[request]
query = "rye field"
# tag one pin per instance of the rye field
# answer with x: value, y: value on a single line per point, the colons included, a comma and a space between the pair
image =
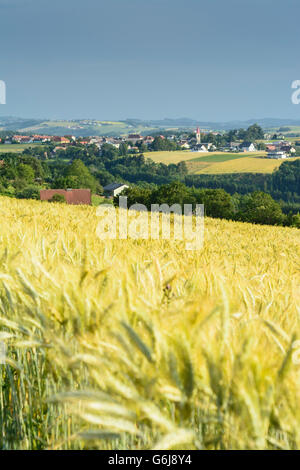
x: 239, y: 165
x: 219, y: 162
x: 140, y: 344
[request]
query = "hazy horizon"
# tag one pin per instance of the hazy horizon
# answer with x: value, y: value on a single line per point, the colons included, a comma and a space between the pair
x: 166, y: 118
x: 214, y: 61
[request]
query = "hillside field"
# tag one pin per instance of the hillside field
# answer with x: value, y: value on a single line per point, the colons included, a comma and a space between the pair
x: 185, y: 155
x: 138, y: 344
x: 18, y: 148
x: 218, y: 162
x: 241, y: 165
x: 86, y: 128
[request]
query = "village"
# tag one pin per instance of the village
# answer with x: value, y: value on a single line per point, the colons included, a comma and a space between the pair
x: 193, y: 141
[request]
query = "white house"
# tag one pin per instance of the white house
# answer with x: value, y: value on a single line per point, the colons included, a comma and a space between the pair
x: 277, y: 155
x: 184, y: 145
x: 201, y: 148
x: 113, y: 189
x: 234, y: 146
x: 248, y: 147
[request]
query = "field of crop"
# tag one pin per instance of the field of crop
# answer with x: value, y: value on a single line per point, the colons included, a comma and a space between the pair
x: 215, y: 157
x: 242, y: 165
x: 136, y: 344
x: 185, y: 156
x: 172, y: 157
x: 6, y: 148
x: 219, y: 163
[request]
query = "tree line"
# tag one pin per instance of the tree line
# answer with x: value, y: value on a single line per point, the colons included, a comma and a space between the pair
x: 23, y: 175
x: 257, y: 207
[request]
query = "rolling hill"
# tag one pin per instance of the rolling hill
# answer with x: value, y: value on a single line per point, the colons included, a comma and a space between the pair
x: 86, y: 127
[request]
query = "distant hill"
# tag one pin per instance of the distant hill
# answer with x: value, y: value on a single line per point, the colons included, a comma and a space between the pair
x: 85, y: 127
x: 14, y: 123
x: 220, y: 125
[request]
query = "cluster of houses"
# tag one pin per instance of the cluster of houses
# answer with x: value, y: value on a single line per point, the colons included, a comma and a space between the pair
x: 279, y: 150
x: 37, y: 139
x: 132, y: 140
x: 192, y: 142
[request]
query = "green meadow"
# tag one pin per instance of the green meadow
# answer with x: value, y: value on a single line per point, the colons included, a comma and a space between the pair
x: 6, y: 148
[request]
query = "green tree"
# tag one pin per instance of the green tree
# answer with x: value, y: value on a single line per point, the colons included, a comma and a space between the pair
x: 58, y: 198
x: 260, y: 208
x: 123, y: 149
x: 217, y: 202
x: 26, y: 172
x: 30, y: 192
x: 296, y: 221
x: 173, y: 193
x: 79, y: 176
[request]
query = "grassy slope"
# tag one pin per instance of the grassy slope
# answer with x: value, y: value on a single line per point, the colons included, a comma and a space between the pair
x: 172, y: 339
x: 6, y: 148
x: 100, y: 128
x: 98, y: 200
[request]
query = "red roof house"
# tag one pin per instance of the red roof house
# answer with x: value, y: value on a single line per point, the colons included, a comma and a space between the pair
x: 72, y: 196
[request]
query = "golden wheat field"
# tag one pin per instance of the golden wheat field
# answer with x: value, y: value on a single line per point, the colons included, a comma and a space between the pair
x: 169, y: 157
x: 207, y: 163
x: 138, y: 344
x: 241, y: 165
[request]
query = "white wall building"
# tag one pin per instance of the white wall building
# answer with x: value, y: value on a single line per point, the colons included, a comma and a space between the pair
x: 277, y: 155
x: 113, y: 189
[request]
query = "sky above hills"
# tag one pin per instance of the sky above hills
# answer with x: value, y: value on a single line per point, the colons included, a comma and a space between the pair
x: 115, y: 59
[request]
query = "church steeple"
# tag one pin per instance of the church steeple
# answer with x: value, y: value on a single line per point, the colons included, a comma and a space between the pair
x: 198, y: 136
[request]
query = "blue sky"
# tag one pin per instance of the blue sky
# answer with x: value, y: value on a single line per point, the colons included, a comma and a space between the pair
x: 114, y: 59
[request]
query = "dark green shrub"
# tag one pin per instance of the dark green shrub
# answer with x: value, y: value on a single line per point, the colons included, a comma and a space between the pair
x: 58, y: 198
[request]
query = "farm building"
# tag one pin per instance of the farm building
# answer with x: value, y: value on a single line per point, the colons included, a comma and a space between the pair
x: 134, y: 138
x: 247, y: 147
x: 287, y: 149
x: 113, y: 189
x: 72, y: 196
x: 200, y: 148
x: 277, y: 155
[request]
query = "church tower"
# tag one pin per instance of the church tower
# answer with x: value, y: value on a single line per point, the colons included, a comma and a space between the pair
x: 198, y: 136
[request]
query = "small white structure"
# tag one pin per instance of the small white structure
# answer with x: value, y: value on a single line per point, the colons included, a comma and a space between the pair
x: 248, y: 147
x: 200, y: 148
x: 234, y: 146
x: 113, y: 189
x: 277, y: 155
x: 185, y: 145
